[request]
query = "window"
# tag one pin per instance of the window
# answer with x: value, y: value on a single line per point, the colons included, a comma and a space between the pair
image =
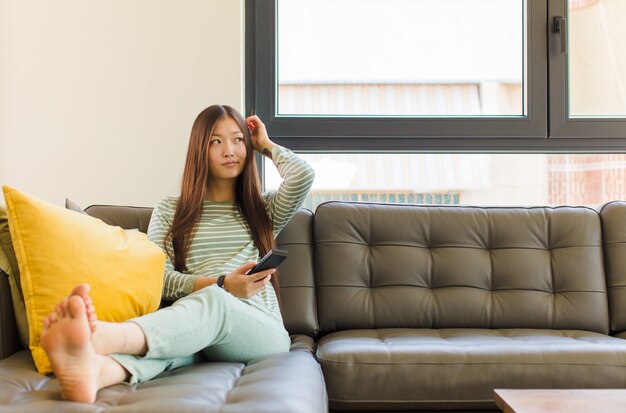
x: 597, y: 59
x: 400, y: 58
x: 465, y: 179
x: 397, y: 72
x: 439, y: 76
x: 490, y: 102
x: 588, y: 70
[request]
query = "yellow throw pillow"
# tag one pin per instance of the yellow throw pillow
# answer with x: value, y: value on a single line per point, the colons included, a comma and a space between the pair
x: 57, y: 248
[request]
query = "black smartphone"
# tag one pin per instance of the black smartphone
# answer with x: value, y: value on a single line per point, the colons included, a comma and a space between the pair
x: 271, y: 260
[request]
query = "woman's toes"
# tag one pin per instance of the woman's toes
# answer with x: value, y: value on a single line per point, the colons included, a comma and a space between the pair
x: 81, y: 290
x: 61, y: 308
x: 58, y: 310
x: 92, y: 321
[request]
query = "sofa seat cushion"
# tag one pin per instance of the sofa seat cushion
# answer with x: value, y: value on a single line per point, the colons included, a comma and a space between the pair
x: 459, y: 368
x: 290, y: 382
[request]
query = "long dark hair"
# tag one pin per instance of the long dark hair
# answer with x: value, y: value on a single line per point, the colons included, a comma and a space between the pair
x: 196, y: 177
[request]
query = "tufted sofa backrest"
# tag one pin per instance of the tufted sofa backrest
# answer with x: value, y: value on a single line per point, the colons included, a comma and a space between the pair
x: 386, y: 266
x: 296, y: 273
x: 127, y: 217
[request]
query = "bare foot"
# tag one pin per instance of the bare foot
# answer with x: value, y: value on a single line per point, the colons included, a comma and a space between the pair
x: 105, y: 338
x: 100, y: 343
x: 67, y: 341
x: 82, y: 290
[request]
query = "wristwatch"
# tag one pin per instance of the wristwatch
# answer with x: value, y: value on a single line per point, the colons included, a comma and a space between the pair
x: 220, y: 281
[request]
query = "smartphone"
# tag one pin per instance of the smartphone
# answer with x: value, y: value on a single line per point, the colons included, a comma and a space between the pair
x: 271, y: 260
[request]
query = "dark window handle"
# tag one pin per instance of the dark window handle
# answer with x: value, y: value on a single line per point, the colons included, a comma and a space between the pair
x: 560, y: 27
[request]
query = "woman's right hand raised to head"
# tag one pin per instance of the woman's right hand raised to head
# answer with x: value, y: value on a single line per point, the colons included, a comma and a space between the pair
x: 258, y: 135
x: 243, y: 285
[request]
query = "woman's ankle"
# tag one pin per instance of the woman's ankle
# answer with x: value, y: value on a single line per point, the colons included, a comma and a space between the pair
x: 110, y: 372
x: 108, y: 338
x: 119, y: 338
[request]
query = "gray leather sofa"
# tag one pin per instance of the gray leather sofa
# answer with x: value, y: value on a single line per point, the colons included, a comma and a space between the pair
x: 290, y: 382
x: 403, y: 308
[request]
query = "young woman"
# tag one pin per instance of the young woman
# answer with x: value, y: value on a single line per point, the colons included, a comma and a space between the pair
x: 212, y: 235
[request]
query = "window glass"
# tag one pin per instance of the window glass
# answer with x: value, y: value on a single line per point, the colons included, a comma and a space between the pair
x: 597, y: 58
x: 465, y: 179
x: 401, y: 57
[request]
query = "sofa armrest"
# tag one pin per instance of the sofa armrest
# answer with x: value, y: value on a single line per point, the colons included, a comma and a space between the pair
x: 613, y: 218
x: 9, y: 340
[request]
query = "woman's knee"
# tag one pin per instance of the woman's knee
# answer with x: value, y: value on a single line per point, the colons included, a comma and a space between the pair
x: 211, y: 296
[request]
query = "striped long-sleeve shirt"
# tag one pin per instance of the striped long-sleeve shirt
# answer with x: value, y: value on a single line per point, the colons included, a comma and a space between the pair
x: 222, y: 243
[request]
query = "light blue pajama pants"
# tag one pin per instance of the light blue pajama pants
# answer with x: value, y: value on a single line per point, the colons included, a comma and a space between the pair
x: 210, y: 321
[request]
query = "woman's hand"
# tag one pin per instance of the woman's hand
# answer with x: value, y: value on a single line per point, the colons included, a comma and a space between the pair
x: 258, y: 134
x: 241, y: 285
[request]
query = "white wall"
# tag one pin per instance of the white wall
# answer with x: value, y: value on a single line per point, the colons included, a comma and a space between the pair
x: 97, y: 98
